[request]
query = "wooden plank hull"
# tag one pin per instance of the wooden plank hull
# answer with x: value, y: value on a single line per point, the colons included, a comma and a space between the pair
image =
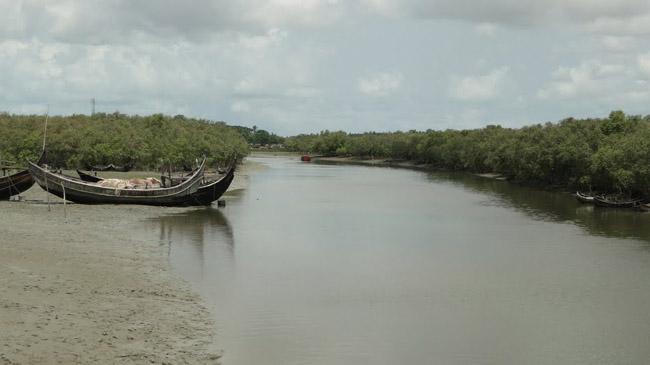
x: 15, y: 184
x: 583, y: 198
x: 206, y: 194
x: 82, y: 192
x: 601, y: 202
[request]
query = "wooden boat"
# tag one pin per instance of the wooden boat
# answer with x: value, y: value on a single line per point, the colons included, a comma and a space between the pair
x: 584, y: 198
x: 15, y: 184
x: 643, y: 207
x: 206, y: 194
x: 19, y: 182
x: 111, y: 167
x: 211, y: 191
x: 608, y: 203
x: 305, y: 158
x: 79, y: 191
x: 88, y: 177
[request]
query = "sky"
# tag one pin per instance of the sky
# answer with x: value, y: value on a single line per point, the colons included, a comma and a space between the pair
x: 292, y: 66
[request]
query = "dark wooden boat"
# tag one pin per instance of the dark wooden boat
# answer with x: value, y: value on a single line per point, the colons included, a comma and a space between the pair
x: 608, y: 203
x: 88, y: 177
x: 206, y: 194
x: 305, y: 158
x: 79, y: 191
x: 111, y: 167
x: 584, y: 198
x: 643, y: 207
x: 15, y: 184
x: 212, y: 191
x: 19, y: 182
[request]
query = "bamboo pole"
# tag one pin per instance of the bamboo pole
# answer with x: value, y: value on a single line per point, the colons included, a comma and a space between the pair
x: 47, y: 116
x: 65, y: 211
x: 47, y: 189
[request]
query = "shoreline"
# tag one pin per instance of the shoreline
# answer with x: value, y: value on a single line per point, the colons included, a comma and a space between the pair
x: 83, y: 284
x: 395, y: 164
x: 70, y: 296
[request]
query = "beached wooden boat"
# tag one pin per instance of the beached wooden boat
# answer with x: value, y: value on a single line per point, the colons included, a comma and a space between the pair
x: 19, y: 182
x: 15, y: 184
x: 609, y: 203
x: 79, y: 191
x: 211, y: 191
x: 206, y: 194
x: 584, y: 198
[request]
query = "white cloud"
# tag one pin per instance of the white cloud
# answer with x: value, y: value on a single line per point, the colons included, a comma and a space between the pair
x: 240, y: 107
x: 588, y: 78
x: 643, y: 61
x: 481, y: 87
x: 597, y: 15
x: 486, y: 29
x: 635, y: 24
x: 382, y: 84
x: 100, y: 22
x: 618, y: 43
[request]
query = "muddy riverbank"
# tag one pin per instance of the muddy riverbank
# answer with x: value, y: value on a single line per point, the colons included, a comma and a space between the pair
x: 73, y: 294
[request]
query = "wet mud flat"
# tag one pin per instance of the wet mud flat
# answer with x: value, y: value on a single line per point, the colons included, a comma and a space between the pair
x: 81, y: 289
x: 78, y: 284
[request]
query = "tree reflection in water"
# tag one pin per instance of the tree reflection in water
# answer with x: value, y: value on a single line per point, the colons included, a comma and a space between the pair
x: 553, y: 206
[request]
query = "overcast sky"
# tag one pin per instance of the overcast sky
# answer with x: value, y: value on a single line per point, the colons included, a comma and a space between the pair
x: 293, y: 66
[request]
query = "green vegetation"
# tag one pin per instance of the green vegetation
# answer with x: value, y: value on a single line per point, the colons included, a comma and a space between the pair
x: 150, y: 141
x: 610, y: 155
x: 256, y: 136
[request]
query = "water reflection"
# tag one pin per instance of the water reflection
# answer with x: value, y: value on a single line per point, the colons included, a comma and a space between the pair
x: 353, y: 265
x: 195, y: 239
x: 553, y: 206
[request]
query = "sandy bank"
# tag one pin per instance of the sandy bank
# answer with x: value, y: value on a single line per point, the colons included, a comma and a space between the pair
x: 89, y: 289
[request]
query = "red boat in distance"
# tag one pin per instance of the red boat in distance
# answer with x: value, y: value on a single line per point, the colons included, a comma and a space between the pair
x: 305, y: 158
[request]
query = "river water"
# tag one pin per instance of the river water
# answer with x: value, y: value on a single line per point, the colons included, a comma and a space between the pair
x: 333, y: 264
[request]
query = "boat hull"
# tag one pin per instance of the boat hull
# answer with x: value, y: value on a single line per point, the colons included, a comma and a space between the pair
x: 600, y: 202
x: 15, y: 184
x: 584, y: 198
x: 206, y: 194
x: 78, y: 191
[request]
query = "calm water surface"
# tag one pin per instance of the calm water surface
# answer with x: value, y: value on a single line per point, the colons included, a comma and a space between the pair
x: 329, y: 264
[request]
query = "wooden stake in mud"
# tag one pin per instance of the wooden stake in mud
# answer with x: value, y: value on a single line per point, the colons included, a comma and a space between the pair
x: 47, y: 189
x: 65, y: 211
x: 47, y: 116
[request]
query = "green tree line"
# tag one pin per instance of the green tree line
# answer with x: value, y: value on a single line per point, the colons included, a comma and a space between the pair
x: 609, y: 155
x: 257, y: 136
x: 150, y: 142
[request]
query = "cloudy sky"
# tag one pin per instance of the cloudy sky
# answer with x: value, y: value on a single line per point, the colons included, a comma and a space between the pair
x: 294, y: 66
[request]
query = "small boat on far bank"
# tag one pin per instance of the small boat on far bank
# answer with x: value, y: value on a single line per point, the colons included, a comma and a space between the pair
x: 305, y: 158
x: 609, y: 203
x: 584, y: 198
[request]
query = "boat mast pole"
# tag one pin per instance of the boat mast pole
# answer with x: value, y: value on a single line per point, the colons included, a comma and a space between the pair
x: 47, y: 115
x: 47, y: 188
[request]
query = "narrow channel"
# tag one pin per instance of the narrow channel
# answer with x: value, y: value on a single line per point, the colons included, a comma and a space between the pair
x: 332, y: 264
